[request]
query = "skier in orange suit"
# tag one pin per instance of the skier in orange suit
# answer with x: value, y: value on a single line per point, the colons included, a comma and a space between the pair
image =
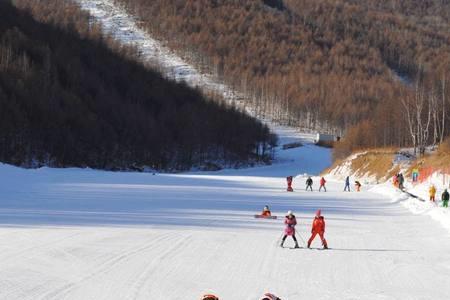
x: 318, y: 228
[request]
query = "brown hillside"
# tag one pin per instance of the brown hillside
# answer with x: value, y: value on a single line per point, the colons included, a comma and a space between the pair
x: 329, y: 64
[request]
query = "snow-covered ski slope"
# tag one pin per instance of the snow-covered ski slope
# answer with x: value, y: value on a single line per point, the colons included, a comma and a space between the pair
x: 86, y: 234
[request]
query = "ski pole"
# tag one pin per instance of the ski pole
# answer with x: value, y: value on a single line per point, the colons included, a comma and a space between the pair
x: 304, y: 243
x: 279, y: 239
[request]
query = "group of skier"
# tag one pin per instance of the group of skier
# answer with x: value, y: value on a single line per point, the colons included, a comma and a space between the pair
x: 318, y: 224
x: 322, y: 182
x: 309, y: 184
x: 399, y: 181
x: 444, y: 197
x: 318, y: 228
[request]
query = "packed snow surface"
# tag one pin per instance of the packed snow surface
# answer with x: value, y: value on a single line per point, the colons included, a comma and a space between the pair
x: 87, y: 234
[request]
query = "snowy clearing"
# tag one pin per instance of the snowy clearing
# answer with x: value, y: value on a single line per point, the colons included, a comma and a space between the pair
x: 86, y: 234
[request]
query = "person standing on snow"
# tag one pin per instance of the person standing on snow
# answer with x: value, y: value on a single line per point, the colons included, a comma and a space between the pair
x: 347, y: 184
x: 358, y: 186
x: 290, y: 222
x: 309, y: 183
x: 318, y: 228
x: 445, y: 198
x: 432, y: 192
x: 322, y: 184
x: 401, y: 181
x: 395, y: 180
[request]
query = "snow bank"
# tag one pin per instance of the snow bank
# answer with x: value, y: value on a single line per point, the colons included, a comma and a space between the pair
x: 416, y: 198
x: 341, y: 171
x: 386, y: 189
x: 372, y: 167
x: 435, y: 210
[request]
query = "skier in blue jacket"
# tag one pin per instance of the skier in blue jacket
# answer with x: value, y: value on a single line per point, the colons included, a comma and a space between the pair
x: 347, y: 184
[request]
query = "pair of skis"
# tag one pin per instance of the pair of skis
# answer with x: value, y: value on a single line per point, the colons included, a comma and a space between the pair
x: 305, y: 248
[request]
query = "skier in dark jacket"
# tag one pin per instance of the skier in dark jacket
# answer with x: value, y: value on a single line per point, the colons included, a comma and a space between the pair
x: 309, y: 183
x: 347, y: 184
x: 401, y: 181
x: 445, y: 197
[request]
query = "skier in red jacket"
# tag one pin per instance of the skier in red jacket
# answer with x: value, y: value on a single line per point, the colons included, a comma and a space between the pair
x: 322, y: 184
x: 318, y: 227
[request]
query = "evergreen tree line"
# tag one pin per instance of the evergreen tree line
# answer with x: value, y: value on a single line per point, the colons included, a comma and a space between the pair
x: 344, y: 66
x: 67, y: 99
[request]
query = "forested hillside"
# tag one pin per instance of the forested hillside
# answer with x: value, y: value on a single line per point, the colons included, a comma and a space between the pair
x: 351, y: 67
x: 67, y: 99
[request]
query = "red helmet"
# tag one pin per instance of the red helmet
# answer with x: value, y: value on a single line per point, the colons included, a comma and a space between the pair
x: 318, y: 213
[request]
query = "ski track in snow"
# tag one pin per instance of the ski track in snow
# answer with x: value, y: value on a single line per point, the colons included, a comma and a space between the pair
x: 123, y: 27
x: 85, y: 234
